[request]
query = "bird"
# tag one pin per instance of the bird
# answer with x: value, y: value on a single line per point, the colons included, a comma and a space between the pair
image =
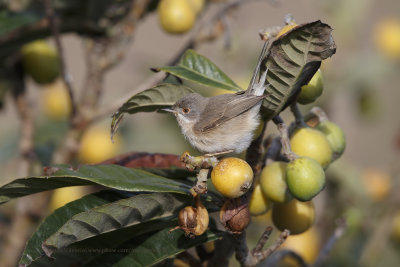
x: 220, y: 124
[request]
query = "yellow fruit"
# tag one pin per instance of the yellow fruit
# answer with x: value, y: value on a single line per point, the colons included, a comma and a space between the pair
x: 312, y: 143
x: 176, y: 16
x: 377, y: 183
x: 285, y: 29
x: 311, y: 91
x: 65, y: 195
x: 259, y: 204
x: 273, y: 182
x: 335, y: 136
x: 305, y: 178
x: 232, y: 177
x: 307, y: 245
x: 396, y: 227
x: 197, y: 5
x: 56, y: 101
x: 387, y: 37
x: 296, y: 216
x: 40, y: 61
x: 96, y: 146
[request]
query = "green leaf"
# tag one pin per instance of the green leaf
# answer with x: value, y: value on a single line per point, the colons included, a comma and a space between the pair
x: 153, y: 99
x: 201, y: 70
x: 114, y: 216
x: 53, y: 222
x: 292, y: 60
x: 152, y: 248
x: 112, y: 176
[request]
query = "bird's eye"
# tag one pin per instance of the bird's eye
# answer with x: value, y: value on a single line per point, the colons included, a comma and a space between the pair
x: 186, y: 110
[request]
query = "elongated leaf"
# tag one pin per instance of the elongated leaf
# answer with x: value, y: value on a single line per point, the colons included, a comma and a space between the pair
x: 152, y: 248
x: 153, y: 99
x: 112, y: 176
x: 292, y: 60
x: 53, y: 222
x: 201, y: 70
x: 114, y: 216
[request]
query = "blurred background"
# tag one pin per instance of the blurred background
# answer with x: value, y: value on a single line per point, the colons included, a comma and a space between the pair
x: 361, y: 94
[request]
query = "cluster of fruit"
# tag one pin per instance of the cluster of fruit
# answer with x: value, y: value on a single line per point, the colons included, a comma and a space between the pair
x: 287, y: 187
x: 178, y: 16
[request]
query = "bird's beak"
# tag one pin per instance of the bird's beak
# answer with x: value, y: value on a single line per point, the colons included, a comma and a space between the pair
x: 168, y: 110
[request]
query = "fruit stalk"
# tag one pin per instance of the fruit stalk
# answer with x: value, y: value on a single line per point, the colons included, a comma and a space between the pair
x: 54, y: 25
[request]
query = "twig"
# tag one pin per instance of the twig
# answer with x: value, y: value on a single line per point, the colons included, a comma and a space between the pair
x: 54, y: 25
x: 282, y: 238
x: 283, y: 130
x: 261, y: 242
x: 294, y: 107
x: 279, y: 255
x: 339, y: 231
x: 249, y: 259
x: 225, y: 250
x: 273, y: 151
x: 28, y: 209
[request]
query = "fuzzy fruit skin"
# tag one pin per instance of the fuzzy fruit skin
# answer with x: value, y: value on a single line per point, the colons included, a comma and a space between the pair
x: 307, y: 245
x: 312, y: 143
x: 96, y: 146
x: 232, y: 177
x: 40, y: 61
x: 396, y: 227
x: 259, y: 204
x: 311, y: 91
x: 176, y: 16
x: 197, y: 5
x: 305, y: 178
x: 387, y: 37
x: 63, y: 196
x: 56, y: 101
x: 273, y: 182
x: 285, y: 29
x: 335, y: 136
x: 296, y: 216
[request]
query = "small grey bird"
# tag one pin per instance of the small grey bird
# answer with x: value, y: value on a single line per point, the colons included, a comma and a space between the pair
x: 223, y: 123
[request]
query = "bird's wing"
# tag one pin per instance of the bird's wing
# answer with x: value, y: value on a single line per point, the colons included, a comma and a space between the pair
x: 219, y: 110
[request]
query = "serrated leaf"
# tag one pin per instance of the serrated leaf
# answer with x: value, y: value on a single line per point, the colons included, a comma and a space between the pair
x: 112, y: 176
x: 153, y: 99
x: 114, y: 216
x: 201, y: 70
x: 152, y: 248
x: 292, y: 60
x: 59, y: 217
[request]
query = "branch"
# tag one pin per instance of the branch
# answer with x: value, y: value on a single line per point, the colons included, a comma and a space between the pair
x: 294, y: 107
x: 261, y: 242
x: 284, y: 133
x: 339, y: 231
x: 54, y: 25
x: 279, y: 255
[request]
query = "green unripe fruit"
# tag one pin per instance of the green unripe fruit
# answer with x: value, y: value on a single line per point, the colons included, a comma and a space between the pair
x: 296, y: 216
x: 335, y: 137
x: 310, y: 92
x: 40, y: 61
x: 305, y: 178
x: 273, y: 182
x: 308, y: 142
